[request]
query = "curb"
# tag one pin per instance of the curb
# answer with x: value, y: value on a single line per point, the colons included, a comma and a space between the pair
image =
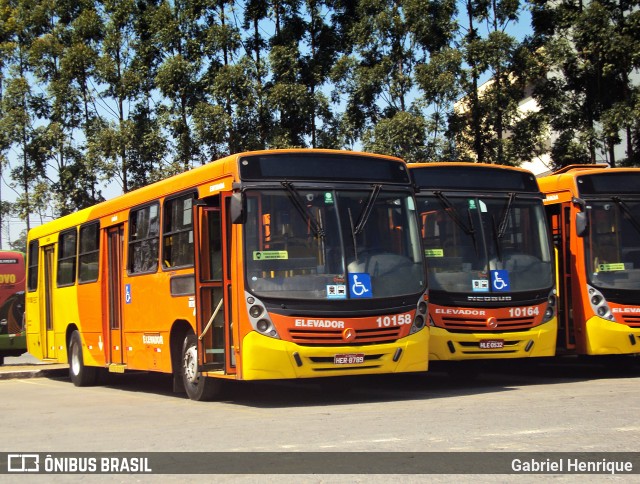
x: 7, y: 374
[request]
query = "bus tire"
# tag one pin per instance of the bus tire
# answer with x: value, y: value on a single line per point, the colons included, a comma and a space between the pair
x: 81, y: 375
x: 198, y: 387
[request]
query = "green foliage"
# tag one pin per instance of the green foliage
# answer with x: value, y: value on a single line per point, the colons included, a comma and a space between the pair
x: 130, y: 91
x: 588, y: 94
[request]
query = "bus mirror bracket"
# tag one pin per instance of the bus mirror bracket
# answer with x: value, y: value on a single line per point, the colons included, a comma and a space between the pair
x: 236, y: 208
x: 582, y: 222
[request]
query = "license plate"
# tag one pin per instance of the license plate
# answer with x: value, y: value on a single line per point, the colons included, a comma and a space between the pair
x: 491, y: 344
x: 350, y: 359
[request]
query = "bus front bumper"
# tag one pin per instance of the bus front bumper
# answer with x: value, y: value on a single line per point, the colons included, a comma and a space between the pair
x: 268, y: 358
x: 609, y: 338
x: 536, y: 342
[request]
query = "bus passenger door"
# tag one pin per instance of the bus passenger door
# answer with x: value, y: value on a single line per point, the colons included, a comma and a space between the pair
x: 213, y: 288
x: 49, y: 337
x: 115, y: 240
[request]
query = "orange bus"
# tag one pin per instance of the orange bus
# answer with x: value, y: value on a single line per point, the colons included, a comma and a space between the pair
x: 489, y: 261
x: 263, y: 265
x: 594, y: 215
x: 12, y: 276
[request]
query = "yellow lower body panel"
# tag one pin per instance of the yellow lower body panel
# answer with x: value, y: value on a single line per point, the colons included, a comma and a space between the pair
x: 265, y: 358
x: 609, y: 338
x: 536, y: 342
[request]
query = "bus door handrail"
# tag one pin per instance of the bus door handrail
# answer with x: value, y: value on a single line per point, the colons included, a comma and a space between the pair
x: 213, y: 316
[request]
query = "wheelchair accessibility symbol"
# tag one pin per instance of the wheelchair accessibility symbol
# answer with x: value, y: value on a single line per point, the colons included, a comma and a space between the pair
x: 500, y: 280
x: 360, y: 285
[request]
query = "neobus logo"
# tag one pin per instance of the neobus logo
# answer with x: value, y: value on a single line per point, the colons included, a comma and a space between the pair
x: 7, y: 279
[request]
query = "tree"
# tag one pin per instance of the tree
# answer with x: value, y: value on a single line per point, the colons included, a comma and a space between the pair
x: 587, y: 93
x: 115, y: 71
x: 19, y: 104
x: 489, y: 116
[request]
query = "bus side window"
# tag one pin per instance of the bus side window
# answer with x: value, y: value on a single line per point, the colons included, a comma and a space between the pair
x: 177, y: 234
x: 143, y: 240
x: 67, y: 252
x: 89, y: 253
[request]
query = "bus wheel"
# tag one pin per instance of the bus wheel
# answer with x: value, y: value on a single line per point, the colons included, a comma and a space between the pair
x: 81, y: 375
x: 198, y: 387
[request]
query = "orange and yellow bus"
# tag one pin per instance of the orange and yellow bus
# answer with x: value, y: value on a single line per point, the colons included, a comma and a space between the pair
x: 594, y: 215
x: 263, y: 265
x: 489, y: 261
x: 12, y: 276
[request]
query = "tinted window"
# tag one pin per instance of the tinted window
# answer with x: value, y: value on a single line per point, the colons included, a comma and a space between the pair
x: 67, y: 251
x: 177, y: 235
x: 143, y: 239
x: 89, y: 253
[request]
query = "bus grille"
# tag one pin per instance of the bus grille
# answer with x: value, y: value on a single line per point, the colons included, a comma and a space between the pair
x: 480, y: 324
x: 324, y: 337
x: 633, y: 321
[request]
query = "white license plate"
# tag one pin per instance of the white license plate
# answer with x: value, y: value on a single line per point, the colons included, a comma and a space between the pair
x: 349, y: 359
x: 491, y: 344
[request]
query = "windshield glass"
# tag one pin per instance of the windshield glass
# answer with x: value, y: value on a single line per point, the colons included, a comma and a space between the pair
x: 327, y: 244
x: 485, y: 245
x: 612, y: 246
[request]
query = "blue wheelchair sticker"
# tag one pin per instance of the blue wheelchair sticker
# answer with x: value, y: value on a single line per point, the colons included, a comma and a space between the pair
x: 360, y: 285
x: 500, y: 281
x: 127, y: 293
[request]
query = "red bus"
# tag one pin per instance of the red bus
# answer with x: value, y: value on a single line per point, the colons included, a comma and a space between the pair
x: 12, y: 278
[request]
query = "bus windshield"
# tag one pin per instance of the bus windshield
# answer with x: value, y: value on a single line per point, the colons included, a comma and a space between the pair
x: 612, y: 246
x: 309, y: 243
x: 476, y: 244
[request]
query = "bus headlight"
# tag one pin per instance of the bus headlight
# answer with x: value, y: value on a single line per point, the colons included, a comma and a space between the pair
x: 255, y: 311
x: 421, y: 314
x: 550, y: 311
x: 259, y: 317
x: 599, y: 304
x: 263, y: 325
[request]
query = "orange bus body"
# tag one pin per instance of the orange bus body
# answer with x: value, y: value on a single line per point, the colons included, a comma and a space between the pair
x: 594, y: 215
x: 12, y: 278
x: 489, y: 259
x: 158, y: 279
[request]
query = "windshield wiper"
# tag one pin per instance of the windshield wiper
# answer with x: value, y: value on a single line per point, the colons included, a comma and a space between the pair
x: 505, y: 216
x: 627, y: 211
x: 298, y: 203
x: 496, y: 238
x: 452, y: 211
x: 364, y: 216
x: 366, y: 211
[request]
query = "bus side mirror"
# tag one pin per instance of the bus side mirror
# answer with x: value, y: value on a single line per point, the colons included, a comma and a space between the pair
x: 582, y: 224
x: 236, y: 208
